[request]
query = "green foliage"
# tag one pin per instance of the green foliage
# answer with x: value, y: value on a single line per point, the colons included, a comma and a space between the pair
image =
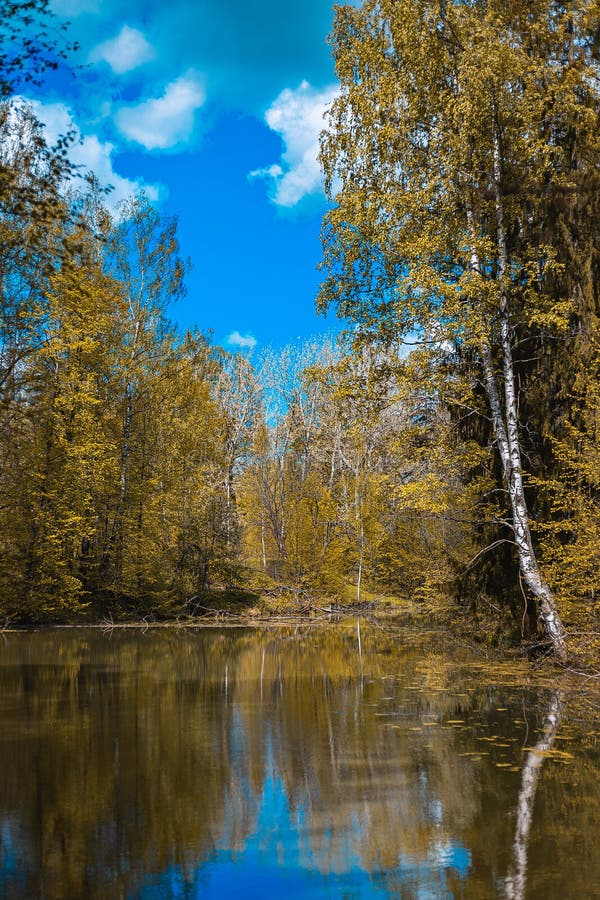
x: 461, y: 158
x: 115, y: 477
x: 571, y: 537
x: 142, y: 469
x: 359, y: 489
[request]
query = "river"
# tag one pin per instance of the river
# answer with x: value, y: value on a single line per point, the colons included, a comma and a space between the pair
x: 310, y: 762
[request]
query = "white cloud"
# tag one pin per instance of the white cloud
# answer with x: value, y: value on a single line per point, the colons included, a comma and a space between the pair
x: 128, y: 50
x: 246, y: 341
x: 298, y: 116
x: 89, y: 152
x: 164, y: 121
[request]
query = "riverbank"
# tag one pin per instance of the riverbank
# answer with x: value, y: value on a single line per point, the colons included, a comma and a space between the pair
x: 486, y: 636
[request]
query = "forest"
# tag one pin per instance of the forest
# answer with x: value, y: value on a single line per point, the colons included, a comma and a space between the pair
x: 441, y: 456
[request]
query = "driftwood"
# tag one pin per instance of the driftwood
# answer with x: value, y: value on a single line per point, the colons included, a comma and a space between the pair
x: 306, y: 606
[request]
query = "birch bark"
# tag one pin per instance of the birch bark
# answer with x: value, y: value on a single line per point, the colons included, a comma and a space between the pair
x: 506, y: 432
x: 512, y: 456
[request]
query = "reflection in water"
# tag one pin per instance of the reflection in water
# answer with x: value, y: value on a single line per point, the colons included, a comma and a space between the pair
x: 173, y: 764
x: 515, y: 883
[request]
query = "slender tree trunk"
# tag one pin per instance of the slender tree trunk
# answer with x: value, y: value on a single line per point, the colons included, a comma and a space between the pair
x: 361, y: 531
x: 506, y: 431
x: 113, y: 551
x: 360, y: 567
x: 112, y: 554
x: 334, y: 450
x: 513, y: 468
x: 262, y: 540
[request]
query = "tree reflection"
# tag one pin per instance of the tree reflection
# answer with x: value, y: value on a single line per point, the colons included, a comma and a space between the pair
x: 516, y: 881
x: 129, y: 757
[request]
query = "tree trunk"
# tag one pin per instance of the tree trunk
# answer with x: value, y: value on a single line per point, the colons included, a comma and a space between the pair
x: 262, y: 540
x: 506, y: 433
x: 512, y: 463
x: 361, y: 533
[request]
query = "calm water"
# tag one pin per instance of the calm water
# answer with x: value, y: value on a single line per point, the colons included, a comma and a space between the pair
x: 254, y: 764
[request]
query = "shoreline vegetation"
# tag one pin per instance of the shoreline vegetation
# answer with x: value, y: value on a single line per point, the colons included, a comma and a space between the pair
x: 235, y: 609
x: 444, y: 452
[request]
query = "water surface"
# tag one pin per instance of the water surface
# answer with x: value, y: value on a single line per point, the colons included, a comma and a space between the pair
x: 286, y: 763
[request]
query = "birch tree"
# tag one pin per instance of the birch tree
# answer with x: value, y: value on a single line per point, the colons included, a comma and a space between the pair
x: 144, y: 258
x: 458, y: 130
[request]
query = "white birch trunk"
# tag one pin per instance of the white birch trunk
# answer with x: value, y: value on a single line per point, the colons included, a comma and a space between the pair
x: 513, y: 470
x: 506, y: 432
x: 262, y: 540
x: 360, y: 568
x: 358, y: 513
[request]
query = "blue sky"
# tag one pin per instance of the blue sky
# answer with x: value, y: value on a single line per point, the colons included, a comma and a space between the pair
x: 214, y: 108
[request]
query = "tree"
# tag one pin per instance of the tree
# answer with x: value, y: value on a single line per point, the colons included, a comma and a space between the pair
x: 571, y: 536
x: 31, y: 42
x: 143, y: 256
x: 32, y: 218
x: 70, y: 451
x: 457, y: 129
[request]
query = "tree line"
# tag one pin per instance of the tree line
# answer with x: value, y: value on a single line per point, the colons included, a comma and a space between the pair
x: 446, y: 452
x: 143, y: 467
